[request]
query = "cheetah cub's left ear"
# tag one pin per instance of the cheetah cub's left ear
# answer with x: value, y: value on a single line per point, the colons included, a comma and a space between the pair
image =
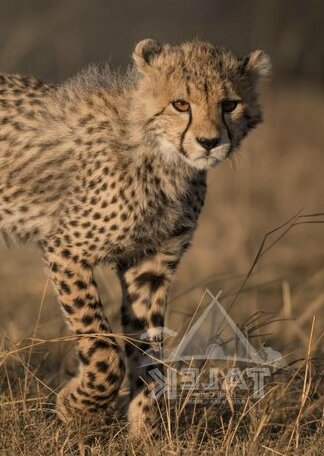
x: 145, y: 52
x: 257, y: 64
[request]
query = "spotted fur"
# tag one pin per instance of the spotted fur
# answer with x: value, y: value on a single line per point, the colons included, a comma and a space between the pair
x: 103, y: 168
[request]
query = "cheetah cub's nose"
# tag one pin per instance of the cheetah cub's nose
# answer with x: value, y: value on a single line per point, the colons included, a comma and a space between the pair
x: 209, y: 143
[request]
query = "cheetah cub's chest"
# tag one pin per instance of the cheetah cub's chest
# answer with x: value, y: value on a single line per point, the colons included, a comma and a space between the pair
x: 134, y: 211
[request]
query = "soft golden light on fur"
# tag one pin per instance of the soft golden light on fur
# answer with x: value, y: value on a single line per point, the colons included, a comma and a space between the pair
x: 129, y: 194
x: 213, y: 92
x: 181, y: 105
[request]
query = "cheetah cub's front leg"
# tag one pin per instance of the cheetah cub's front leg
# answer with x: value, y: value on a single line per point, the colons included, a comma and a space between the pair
x: 101, y: 369
x: 145, y: 288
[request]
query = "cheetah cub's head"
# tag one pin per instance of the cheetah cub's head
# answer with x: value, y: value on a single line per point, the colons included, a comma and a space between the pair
x: 197, y: 101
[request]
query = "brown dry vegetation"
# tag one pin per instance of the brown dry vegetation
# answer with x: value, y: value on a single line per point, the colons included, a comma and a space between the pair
x: 278, y: 172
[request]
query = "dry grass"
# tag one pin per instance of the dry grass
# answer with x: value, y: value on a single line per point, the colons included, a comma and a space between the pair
x: 278, y: 173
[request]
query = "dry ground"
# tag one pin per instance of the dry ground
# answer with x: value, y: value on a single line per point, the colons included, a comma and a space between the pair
x: 278, y: 173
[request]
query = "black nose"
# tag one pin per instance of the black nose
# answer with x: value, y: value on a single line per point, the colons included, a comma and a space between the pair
x: 209, y: 143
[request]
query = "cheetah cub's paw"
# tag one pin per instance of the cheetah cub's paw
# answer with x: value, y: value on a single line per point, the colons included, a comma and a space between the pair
x: 144, y: 417
x: 74, y: 403
x: 68, y: 404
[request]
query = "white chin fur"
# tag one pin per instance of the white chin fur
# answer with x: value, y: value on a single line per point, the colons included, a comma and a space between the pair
x: 199, y: 159
x: 204, y: 163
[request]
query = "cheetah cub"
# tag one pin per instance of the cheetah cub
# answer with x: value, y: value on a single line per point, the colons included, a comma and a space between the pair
x: 112, y: 168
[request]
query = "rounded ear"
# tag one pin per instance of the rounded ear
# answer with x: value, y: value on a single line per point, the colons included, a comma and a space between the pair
x: 145, y: 52
x: 257, y: 63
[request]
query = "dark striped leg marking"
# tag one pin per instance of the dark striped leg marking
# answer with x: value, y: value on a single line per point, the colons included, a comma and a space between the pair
x: 145, y: 288
x: 101, y: 369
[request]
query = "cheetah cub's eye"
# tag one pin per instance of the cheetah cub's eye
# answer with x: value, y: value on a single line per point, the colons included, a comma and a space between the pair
x: 229, y: 105
x: 181, y: 105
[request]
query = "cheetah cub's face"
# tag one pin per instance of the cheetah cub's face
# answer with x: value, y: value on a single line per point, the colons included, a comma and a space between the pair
x: 197, y: 101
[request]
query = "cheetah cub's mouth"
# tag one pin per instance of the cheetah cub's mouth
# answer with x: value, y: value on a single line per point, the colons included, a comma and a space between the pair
x: 198, y: 101
x: 208, y: 158
x: 201, y: 159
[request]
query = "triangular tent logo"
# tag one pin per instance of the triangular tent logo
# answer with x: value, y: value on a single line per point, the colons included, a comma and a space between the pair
x: 215, y: 336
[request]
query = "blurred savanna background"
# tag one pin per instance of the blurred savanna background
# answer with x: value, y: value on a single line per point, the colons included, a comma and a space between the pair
x: 276, y: 178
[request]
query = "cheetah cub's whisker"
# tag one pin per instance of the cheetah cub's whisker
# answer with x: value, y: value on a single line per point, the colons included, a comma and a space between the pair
x: 110, y: 167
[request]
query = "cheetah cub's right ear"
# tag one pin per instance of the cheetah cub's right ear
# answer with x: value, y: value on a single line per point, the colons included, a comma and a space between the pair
x: 145, y: 52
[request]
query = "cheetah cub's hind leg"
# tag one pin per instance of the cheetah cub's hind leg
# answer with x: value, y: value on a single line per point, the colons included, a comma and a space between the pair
x: 101, y: 369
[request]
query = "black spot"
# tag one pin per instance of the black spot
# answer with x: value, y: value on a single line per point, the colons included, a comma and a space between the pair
x: 55, y: 267
x: 68, y: 273
x: 92, y: 376
x: 157, y: 319
x: 103, y: 344
x: 101, y: 388
x: 79, y: 303
x: 113, y: 378
x: 87, y: 320
x: 82, y: 393
x: 87, y: 402
x: 68, y: 309
x: 102, y: 366
x: 84, y: 360
x: 98, y: 344
x: 103, y: 327
x: 65, y: 288
x: 99, y: 398
x: 81, y: 284
x: 85, y: 264
x: 89, y: 235
x: 66, y: 253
